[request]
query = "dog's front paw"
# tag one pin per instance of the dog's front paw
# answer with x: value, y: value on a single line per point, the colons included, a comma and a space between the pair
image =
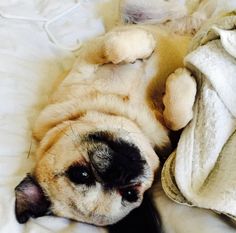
x: 179, y: 99
x: 128, y: 45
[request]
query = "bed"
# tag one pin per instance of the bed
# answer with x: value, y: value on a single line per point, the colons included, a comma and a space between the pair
x: 38, y: 45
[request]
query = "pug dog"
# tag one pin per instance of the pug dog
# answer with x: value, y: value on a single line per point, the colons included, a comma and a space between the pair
x: 107, y: 126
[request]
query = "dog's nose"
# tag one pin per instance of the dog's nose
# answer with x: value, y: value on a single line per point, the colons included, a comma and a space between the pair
x: 101, y: 158
x: 116, y: 164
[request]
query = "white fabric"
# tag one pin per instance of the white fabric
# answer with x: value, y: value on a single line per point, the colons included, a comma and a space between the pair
x: 204, y: 163
x: 178, y: 218
x: 30, y: 63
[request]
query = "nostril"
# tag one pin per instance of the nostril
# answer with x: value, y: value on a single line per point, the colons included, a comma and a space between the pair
x: 100, y: 158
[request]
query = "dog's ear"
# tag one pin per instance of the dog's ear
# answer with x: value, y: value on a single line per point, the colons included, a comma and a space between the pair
x: 30, y: 200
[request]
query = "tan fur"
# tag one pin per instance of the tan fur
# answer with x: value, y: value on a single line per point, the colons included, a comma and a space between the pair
x: 124, y: 99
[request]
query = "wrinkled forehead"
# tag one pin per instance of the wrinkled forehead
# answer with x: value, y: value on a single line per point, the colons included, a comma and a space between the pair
x: 74, y: 142
x: 106, y: 152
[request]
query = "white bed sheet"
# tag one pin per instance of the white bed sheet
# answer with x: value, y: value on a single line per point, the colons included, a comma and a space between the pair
x: 30, y: 63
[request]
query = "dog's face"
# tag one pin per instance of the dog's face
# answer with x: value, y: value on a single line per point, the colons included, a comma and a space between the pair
x: 86, y: 174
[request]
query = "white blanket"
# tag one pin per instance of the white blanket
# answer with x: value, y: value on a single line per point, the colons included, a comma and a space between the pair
x: 32, y: 37
x: 202, y: 172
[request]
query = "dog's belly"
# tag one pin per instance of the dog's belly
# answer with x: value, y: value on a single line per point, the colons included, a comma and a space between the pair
x: 128, y: 81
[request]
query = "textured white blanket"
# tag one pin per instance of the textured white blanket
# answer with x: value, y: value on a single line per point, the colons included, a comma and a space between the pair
x: 204, y: 164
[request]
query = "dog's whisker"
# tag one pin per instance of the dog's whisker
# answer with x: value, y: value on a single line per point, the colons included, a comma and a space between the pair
x: 74, y: 140
x: 29, y: 151
x: 67, y: 135
x: 72, y: 130
x: 51, y: 153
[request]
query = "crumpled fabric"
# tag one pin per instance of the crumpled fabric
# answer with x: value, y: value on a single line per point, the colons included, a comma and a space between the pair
x: 202, y: 171
x: 30, y: 65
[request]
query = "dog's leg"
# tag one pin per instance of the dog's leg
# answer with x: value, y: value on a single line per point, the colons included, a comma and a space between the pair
x: 124, y: 44
x: 179, y: 99
x: 128, y: 44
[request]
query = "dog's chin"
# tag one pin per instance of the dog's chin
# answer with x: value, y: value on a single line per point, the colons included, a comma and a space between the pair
x: 102, y: 220
x: 106, y: 221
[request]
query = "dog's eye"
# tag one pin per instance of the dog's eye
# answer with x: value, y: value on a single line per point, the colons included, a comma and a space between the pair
x: 79, y: 174
x: 129, y: 194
